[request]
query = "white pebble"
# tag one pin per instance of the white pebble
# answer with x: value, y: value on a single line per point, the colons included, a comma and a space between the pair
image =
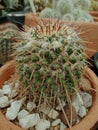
x: 13, y: 93
x: 63, y: 105
x: 29, y: 121
x: 82, y: 111
x: 53, y: 114
x: 22, y: 114
x: 43, y: 125
x: 62, y: 126
x: 16, y: 85
x: 56, y: 122
x: 1, y: 92
x: 6, y: 89
x: 12, y: 112
x: 31, y: 106
x: 4, y: 101
x: 77, y: 101
x: 44, y: 109
x: 87, y: 99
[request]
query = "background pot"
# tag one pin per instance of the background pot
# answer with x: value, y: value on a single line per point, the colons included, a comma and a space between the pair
x: 3, y: 19
x: 17, y: 18
x: 95, y: 15
x: 86, y: 123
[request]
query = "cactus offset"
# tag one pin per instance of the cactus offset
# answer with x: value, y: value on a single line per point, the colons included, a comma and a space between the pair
x: 68, y: 17
x: 65, y: 6
x: 50, y: 13
x: 50, y: 62
x: 81, y: 15
x: 83, y: 4
x: 7, y: 38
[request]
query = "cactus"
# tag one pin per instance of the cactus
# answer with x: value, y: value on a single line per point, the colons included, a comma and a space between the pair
x: 82, y: 19
x: 83, y: 4
x: 88, y: 17
x: 50, y: 13
x: 8, y: 25
x: 69, y: 10
x: 56, y: 14
x: 47, y: 12
x: 68, y: 16
x: 65, y: 6
x: 82, y: 15
x: 50, y: 62
x: 7, y: 38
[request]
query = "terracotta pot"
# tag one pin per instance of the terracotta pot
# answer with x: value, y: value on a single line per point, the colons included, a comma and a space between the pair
x: 86, y: 123
x: 95, y: 15
x: 89, y: 32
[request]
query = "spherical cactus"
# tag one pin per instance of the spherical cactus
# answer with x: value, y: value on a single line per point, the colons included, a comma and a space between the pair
x: 8, y: 37
x: 56, y: 14
x: 82, y: 19
x: 83, y: 4
x: 77, y: 13
x: 47, y: 12
x: 65, y: 6
x: 51, y: 64
x: 54, y: 4
x: 68, y: 16
x: 82, y: 15
x: 88, y: 17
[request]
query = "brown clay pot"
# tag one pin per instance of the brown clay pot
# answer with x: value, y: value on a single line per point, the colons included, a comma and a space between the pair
x: 95, y: 15
x: 89, y: 32
x: 86, y: 123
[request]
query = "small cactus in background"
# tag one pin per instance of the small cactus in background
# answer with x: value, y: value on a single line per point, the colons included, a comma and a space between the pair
x: 68, y: 16
x: 65, y: 6
x: 50, y: 13
x: 8, y: 25
x: 81, y: 15
x: 83, y: 4
x: 50, y: 62
x: 56, y: 14
x: 47, y: 12
x: 69, y: 10
x: 7, y: 38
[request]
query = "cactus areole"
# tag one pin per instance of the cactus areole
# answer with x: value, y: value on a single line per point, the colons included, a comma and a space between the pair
x: 50, y: 62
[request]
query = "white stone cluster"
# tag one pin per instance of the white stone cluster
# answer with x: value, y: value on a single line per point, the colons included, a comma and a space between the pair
x: 27, y: 119
x: 82, y: 101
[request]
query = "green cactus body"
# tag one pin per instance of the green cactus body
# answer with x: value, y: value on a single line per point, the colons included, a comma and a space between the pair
x: 65, y: 6
x: 50, y: 13
x: 7, y: 26
x: 81, y: 15
x: 47, y: 12
x: 51, y: 63
x: 83, y: 4
x: 68, y: 16
x: 7, y: 38
x: 56, y: 14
